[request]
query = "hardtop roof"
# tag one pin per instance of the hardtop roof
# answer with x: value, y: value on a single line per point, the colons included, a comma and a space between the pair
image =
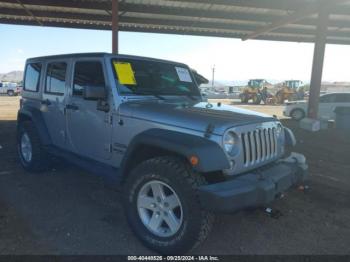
x: 99, y: 55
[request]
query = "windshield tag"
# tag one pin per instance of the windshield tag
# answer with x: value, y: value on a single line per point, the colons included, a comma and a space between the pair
x: 125, y: 73
x: 183, y: 74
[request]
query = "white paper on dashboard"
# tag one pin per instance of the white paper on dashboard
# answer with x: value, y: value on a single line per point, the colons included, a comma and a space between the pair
x: 183, y: 74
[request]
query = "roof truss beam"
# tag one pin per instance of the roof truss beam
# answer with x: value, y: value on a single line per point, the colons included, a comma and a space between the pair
x: 45, y: 17
x: 106, y: 5
x: 296, y: 16
x: 196, y: 14
x: 133, y: 28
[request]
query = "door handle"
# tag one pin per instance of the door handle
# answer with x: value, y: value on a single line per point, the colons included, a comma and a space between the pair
x: 46, y: 102
x: 72, y: 107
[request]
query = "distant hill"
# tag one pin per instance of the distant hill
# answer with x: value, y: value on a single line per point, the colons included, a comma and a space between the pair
x: 13, y: 76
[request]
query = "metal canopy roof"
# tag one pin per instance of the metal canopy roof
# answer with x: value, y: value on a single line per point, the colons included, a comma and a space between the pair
x: 259, y: 19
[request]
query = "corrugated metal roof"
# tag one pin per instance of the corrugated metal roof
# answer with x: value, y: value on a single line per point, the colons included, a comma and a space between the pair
x: 222, y: 18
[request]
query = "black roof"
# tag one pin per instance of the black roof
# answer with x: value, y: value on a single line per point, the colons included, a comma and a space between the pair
x: 98, y: 54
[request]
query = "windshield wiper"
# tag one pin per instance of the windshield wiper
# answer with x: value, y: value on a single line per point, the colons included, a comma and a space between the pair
x: 150, y: 94
x: 191, y: 97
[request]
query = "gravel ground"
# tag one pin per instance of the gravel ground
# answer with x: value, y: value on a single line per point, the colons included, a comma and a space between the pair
x: 69, y: 211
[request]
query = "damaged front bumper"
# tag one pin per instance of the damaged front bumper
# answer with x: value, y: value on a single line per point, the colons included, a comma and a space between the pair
x: 256, y: 188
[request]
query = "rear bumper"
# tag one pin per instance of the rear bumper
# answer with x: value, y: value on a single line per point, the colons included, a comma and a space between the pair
x: 256, y: 188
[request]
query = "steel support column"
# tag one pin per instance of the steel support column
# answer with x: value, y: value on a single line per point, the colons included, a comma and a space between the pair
x: 115, y: 25
x: 318, y: 61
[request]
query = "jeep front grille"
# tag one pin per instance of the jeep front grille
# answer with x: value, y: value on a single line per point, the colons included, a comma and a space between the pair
x: 259, y: 146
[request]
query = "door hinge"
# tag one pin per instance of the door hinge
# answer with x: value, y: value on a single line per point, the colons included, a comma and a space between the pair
x: 111, y: 119
x: 109, y: 148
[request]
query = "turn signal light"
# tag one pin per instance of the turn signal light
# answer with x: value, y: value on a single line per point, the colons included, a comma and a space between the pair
x: 194, y: 160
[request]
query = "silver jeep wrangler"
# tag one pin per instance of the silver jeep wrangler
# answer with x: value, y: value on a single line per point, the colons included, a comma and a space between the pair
x: 143, y: 123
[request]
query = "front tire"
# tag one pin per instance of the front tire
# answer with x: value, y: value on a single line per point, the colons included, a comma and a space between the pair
x: 256, y: 99
x: 163, y: 208
x: 297, y: 114
x: 10, y: 93
x: 244, y: 98
x: 31, y: 153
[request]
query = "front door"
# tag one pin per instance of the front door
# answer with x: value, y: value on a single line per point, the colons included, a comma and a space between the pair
x: 53, y: 101
x: 89, y: 129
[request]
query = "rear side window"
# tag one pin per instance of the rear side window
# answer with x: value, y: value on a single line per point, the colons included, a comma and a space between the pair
x: 89, y: 73
x: 56, y: 78
x: 343, y: 98
x: 32, y: 77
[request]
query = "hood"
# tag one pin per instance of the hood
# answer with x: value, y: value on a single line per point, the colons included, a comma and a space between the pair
x: 195, y: 116
x: 296, y: 102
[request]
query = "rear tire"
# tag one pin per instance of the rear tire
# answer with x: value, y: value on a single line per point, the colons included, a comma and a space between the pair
x: 297, y: 114
x: 194, y: 223
x: 280, y: 98
x: 10, y: 93
x: 32, y: 155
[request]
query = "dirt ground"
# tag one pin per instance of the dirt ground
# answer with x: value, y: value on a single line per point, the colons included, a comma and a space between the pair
x: 69, y: 211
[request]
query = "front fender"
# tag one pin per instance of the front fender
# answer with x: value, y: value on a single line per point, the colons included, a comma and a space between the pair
x: 210, y: 154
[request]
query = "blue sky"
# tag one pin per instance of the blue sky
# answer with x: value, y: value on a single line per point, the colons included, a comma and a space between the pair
x: 233, y: 59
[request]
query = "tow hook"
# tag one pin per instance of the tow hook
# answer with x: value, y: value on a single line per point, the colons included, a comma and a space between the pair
x: 273, y: 213
x: 303, y: 188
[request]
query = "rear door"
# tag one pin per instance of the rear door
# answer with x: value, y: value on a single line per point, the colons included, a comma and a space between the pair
x: 89, y: 128
x: 326, y: 106
x: 54, y: 100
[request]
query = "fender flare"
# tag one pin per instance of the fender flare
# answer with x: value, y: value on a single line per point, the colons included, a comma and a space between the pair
x: 211, y: 156
x: 36, y: 117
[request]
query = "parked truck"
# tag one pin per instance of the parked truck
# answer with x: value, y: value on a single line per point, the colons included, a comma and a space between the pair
x: 9, y: 88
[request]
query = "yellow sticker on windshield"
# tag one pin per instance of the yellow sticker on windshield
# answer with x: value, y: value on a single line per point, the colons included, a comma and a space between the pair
x: 125, y: 73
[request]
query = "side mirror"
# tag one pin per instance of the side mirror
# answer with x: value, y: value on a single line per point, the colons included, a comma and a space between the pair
x: 94, y: 92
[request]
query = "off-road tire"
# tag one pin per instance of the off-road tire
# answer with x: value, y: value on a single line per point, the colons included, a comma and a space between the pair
x: 280, y: 98
x: 297, y: 114
x: 10, y: 93
x: 40, y: 160
x: 244, y: 98
x: 196, y: 223
x: 257, y: 99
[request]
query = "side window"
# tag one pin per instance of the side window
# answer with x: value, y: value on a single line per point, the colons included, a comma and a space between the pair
x: 56, y: 78
x: 343, y: 98
x: 89, y: 73
x: 328, y: 99
x: 32, y: 77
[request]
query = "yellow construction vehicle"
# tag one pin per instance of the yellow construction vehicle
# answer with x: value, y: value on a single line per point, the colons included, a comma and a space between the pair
x: 288, y: 91
x: 253, y: 91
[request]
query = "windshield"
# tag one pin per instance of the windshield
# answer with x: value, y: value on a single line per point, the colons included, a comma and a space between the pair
x: 141, y: 77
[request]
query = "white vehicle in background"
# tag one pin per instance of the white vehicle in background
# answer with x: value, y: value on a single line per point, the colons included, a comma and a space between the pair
x: 297, y: 110
x: 11, y: 89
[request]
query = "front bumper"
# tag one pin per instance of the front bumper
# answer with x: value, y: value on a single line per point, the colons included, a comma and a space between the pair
x: 256, y: 188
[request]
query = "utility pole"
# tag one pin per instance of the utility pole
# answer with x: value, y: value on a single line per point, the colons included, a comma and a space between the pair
x: 213, y: 76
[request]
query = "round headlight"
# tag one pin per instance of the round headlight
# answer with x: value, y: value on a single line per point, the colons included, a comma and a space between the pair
x: 229, y: 142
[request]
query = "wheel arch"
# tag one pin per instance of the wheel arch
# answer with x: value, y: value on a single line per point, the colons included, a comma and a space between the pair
x: 35, y: 116
x: 159, y: 142
x: 297, y: 109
